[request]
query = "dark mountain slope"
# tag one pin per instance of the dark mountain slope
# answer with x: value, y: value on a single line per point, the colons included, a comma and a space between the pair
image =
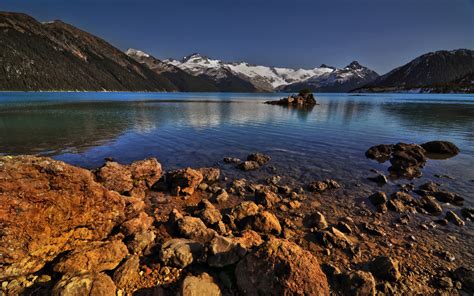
x: 58, y: 56
x: 430, y: 72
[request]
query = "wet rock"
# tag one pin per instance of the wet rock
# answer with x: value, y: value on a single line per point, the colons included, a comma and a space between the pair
x: 222, y: 196
x: 378, y: 198
x: 54, y: 208
x: 138, y: 224
x: 317, y: 220
x: 318, y: 186
x: 407, y: 160
x: 244, y: 209
x: 210, y: 175
x: 332, y: 184
x: 185, y: 180
x: 454, y: 218
x: 441, y: 147
x: 273, y: 180
x: 208, y: 213
x: 127, y: 272
x: 380, y: 153
x: 344, y: 227
x: 380, y: 179
x: 200, y: 285
x: 448, y: 197
x: 86, y: 284
x: 193, y: 228
x: 385, y: 268
x: 429, y: 186
x: 249, y: 165
x: 280, y: 267
x: 430, y: 205
x: 260, y: 158
x: 468, y: 213
x: 266, y: 222
x: 93, y: 258
x: 224, y: 251
x: 180, y: 252
x: 358, y: 283
x: 141, y: 241
x: 231, y: 160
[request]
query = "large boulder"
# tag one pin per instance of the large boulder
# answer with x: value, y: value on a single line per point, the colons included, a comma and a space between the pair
x: 48, y: 207
x: 87, y: 284
x: 94, y: 258
x: 280, y: 267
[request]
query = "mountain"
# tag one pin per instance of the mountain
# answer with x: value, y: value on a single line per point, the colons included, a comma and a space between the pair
x: 439, y: 71
x: 338, y: 80
x: 180, y: 78
x: 262, y: 78
x: 57, y: 56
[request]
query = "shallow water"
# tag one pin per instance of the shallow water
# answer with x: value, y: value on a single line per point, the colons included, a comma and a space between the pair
x: 187, y: 129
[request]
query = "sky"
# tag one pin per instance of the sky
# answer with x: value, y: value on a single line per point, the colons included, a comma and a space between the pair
x: 381, y: 34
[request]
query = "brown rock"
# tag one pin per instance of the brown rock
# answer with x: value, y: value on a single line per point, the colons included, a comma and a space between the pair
x: 318, y: 186
x: 280, y: 267
x: 200, y: 285
x: 127, y: 272
x: 266, y: 222
x: 454, y: 218
x: 249, y: 239
x: 317, y: 220
x: 187, y: 180
x: 244, y: 209
x: 358, y: 283
x: 86, y: 284
x: 141, y: 241
x: 378, y: 198
x: 48, y: 207
x: 193, y: 228
x: 260, y: 158
x: 249, y: 165
x: 224, y: 251
x: 138, y: 224
x: 147, y: 171
x: 429, y: 204
x: 115, y: 176
x: 266, y: 198
x: 210, y: 175
x: 208, y: 213
x: 380, y: 153
x: 385, y: 268
x: 94, y: 258
x: 221, y: 196
x: 180, y: 252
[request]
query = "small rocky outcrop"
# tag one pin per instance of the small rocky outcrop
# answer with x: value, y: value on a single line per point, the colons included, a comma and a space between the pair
x: 303, y: 99
x: 280, y: 267
x: 57, y: 208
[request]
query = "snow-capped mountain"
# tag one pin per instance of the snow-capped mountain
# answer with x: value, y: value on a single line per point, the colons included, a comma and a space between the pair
x: 266, y: 78
x: 340, y: 80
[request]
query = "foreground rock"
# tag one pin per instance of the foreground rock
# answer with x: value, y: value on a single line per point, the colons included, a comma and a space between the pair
x: 304, y: 98
x: 57, y: 208
x: 279, y: 267
x: 184, y: 181
x: 87, y: 284
x: 441, y: 147
x: 200, y: 285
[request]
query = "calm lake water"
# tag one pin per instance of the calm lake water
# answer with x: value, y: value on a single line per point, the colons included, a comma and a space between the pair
x: 187, y: 129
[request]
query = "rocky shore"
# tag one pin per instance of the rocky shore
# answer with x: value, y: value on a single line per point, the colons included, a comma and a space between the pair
x: 304, y: 98
x: 140, y: 230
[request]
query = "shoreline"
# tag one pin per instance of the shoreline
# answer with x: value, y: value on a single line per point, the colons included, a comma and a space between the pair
x: 161, y: 212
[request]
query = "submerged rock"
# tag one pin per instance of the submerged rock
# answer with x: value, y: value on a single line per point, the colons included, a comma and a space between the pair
x: 380, y: 153
x: 280, y: 267
x: 57, y: 208
x: 260, y: 158
x: 454, y: 218
x: 441, y: 147
x: 249, y: 165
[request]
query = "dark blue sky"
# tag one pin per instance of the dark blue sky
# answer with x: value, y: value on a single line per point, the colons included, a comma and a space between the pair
x: 381, y: 34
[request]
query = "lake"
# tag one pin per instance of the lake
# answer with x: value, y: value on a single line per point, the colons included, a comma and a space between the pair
x: 199, y: 129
